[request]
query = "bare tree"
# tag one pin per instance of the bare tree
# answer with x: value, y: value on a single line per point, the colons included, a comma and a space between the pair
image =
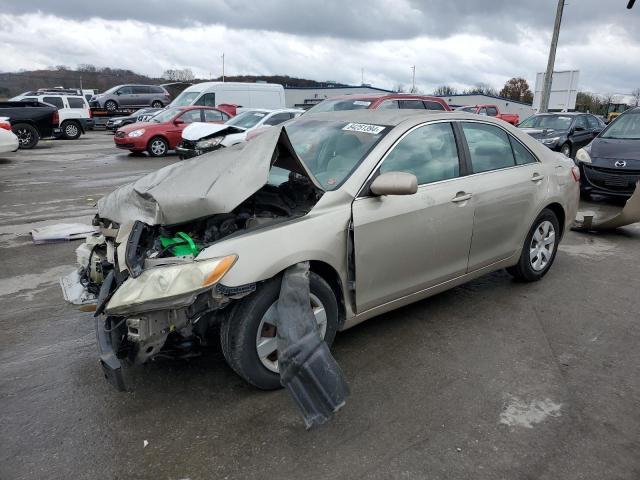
x: 636, y: 96
x: 444, y: 90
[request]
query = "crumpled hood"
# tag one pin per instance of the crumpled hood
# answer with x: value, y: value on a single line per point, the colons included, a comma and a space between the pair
x: 199, y: 130
x: 543, y: 132
x: 213, y: 183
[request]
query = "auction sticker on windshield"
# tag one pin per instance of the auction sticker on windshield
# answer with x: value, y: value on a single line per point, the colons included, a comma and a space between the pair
x: 364, y: 128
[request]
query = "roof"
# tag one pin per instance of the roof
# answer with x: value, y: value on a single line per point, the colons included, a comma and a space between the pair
x: 338, y: 87
x: 394, y: 117
x: 483, y: 95
x: 561, y: 114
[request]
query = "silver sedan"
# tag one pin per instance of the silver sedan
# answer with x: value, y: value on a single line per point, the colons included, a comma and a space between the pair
x: 388, y: 207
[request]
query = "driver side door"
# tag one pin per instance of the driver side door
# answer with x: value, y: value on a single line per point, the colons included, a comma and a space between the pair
x: 404, y: 244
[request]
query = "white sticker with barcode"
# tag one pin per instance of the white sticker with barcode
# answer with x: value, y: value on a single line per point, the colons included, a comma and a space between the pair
x: 364, y: 128
x: 361, y: 103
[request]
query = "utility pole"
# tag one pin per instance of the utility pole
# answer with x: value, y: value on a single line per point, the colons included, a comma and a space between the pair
x: 548, y: 76
x: 223, y: 67
x: 413, y: 79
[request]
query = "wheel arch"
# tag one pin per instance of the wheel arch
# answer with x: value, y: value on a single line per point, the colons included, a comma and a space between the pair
x: 159, y: 135
x: 332, y: 277
x: 558, y: 210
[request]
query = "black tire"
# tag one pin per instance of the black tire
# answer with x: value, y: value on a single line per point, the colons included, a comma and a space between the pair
x: 566, y: 150
x: 157, y: 147
x: 111, y: 105
x: 157, y: 104
x: 524, y: 270
x: 239, y: 331
x: 27, y: 135
x: 71, y: 130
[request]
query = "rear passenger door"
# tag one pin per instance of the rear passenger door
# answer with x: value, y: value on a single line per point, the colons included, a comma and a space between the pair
x: 507, y: 183
x: 406, y: 243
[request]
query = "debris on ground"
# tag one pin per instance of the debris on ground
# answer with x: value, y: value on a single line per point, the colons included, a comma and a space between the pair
x: 629, y: 214
x: 62, y: 232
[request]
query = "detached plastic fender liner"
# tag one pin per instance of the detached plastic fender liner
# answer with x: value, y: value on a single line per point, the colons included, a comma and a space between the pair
x: 111, y: 366
x: 307, y: 369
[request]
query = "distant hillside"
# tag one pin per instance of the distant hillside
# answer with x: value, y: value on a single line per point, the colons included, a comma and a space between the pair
x: 14, y: 83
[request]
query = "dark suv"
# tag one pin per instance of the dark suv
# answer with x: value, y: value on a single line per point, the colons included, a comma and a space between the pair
x: 130, y: 96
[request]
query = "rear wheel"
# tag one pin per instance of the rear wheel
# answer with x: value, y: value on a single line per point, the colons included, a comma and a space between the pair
x: 157, y: 147
x: 539, y: 249
x: 71, y: 130
x: 157, y: 104
x: 111, y: 105
x: 248, y: 335
x: 27, y: 135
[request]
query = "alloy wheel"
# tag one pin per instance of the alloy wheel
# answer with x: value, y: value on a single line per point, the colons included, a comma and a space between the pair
x: 542, y: 245
x: 71, y: 130
x: 266, y: 340
x: 158, y: 147
x: 24, y: 136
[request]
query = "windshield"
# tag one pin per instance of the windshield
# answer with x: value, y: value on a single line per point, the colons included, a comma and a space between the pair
x: 247, y: 119
x: 554, y: 122
x: 625, y: 127
x: 468, y: 109
x: 341, y: 104
x: 332, y: 150
x: 185, y: 99
x: 111, y: 90
x: 166, y: 115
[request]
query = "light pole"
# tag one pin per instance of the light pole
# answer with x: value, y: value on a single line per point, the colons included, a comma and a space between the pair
x: 413, y: 79
x: 548, y: 76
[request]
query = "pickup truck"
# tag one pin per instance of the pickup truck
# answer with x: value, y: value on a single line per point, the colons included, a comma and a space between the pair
x: 492, y: 111
x: 31, y: 121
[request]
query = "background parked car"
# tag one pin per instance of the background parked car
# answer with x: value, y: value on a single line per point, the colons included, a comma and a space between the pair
x: 73, y: 110
x: 244, y: 95
x: 389, y: 101
x: 563, y: 132
x: 164, y: 131
x: 31, y: 121
x: 127, y: 96
x: 610, y: 164
x: 141, y: 115
x: 492, y: 111
x: 8, y: 141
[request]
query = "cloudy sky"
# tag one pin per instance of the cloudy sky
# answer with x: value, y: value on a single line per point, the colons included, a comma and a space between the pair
x: 455, y: 42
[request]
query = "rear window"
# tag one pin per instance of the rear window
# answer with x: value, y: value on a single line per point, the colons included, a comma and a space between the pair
x: 76, y: 102
x: 341, y: 104
x: 431, y: 105
x: 156, y: 89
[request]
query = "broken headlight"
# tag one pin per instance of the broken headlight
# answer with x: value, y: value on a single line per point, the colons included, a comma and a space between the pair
x: 208, y: 143
x: 166, y: 285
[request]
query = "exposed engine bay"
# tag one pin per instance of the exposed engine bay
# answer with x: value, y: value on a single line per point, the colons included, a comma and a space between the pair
x: 173, y: 326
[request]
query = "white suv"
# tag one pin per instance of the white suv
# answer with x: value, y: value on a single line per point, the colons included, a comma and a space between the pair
x: 73, y: 109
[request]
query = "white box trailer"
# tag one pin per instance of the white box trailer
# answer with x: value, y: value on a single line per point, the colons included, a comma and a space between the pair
x: 244, y: 95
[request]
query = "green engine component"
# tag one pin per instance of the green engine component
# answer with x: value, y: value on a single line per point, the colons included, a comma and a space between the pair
x: 180, y: 245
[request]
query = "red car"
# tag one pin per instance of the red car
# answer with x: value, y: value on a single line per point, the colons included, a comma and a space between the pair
x: 164, y: 131
x: 492, y: 111
x: 386, y: 101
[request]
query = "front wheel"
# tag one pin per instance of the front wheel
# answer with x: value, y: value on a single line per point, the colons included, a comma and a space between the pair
x: 70, y: 130
x: 111, y: 105
x: 157, y: 104
x: 566, y: 150
x: 27, y: 135
x: 539, y: 249
x: 157, y: 147
x: 248, y: 335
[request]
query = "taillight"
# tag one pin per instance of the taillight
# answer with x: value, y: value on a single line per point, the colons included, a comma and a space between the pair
x: 55, y: 120
x: 5, y: 125
x: 90, y: 113
x: 575, y: 172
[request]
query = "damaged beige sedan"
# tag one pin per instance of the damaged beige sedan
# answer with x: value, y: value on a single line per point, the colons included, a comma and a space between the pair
x: 387, y: 207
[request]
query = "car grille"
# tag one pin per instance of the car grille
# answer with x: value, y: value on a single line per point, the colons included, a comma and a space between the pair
x: 119, y: 134
x: 623, y: 181
x: 188, y: 144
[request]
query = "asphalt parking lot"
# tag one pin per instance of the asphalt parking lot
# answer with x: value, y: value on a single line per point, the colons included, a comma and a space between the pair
x: 494, y: 379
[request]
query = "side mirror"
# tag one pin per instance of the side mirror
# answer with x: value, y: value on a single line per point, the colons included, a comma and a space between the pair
x: 395, y: 183
x: 118, y: 92
x: 178, y: 121
x: 578, y: 128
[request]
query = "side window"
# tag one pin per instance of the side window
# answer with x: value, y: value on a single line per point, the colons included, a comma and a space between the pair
x: 29, y: 99
x: 207, y: 100
x: 76, y: 102
x: 141, y: 90
x: 389, y: 105
x: 581, y: 122
x: 431, y: 105
x: 125, y: 91
x: 191, y: 116
x: 278, y: 118
x: 492, y: 111
x: 489, y: 147
x: 412, y: 104
x: 429, y: 152
x: 593, y: 122
x: 55, y: 101
x: 482, y: 111
x: 156, y: 89
x: 213, y: 116
x: 523, y: 156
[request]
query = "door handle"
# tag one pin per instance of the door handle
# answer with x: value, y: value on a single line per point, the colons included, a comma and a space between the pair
x: 461, y: 197
x: 536, y: 177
